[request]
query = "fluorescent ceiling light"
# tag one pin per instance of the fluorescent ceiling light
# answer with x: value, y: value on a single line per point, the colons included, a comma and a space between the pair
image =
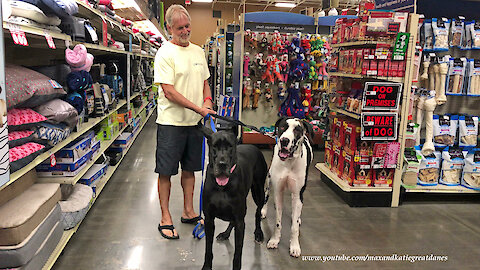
x: 202, y: 1
x: 286, y: 5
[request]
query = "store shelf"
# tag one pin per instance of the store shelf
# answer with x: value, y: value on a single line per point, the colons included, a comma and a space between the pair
x: 84, y: 128
x: 360, y: 43
x: 440, y: 189
x: 357, y: 76
x: 144, y: 55
x: 67, y: 235
x: 104, y: 145
x: 135, y: 95
x: 36, y: 31
x: 101, y: 48
x: 141, y: 109
x: 344, y: 185
x: 344, y: 112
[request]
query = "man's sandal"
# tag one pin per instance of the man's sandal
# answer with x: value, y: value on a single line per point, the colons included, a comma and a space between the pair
x: 168, y: 227
x: 191, y: 220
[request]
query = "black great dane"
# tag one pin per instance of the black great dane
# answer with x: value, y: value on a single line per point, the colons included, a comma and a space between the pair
x: 231, y: 173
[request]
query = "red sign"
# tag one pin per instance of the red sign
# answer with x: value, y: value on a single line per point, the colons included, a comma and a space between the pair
x: 49, y: 39
x: 379, y: 126
x: 188, y: 2
x: 18, y: 36
x: 381, y: 96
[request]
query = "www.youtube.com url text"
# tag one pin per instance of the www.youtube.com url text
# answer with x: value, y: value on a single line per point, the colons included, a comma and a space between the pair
x: 376, y: 258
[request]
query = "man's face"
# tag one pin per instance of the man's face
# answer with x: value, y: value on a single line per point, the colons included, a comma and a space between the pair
x: 180, y: 30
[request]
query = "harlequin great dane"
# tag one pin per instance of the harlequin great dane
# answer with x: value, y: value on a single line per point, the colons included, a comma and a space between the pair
x: 232, y: 172
x: 292, y: 156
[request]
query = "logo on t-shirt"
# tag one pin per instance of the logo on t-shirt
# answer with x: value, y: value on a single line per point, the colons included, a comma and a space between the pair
x: 197, y: 64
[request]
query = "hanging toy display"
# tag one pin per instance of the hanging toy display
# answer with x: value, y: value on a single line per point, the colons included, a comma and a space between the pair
x: 246, y: 63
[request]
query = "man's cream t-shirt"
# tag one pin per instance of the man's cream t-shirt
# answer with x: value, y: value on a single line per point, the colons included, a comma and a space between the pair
x: 186, y: 69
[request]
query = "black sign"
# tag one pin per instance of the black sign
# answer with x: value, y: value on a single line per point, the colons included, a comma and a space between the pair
x: 282, y: 28
x: 381, y: 96
x: 378, y: 126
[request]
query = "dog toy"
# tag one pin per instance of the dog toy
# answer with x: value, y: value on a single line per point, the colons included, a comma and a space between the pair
x: 267, y: 74
x: 305, y: 43
x: 429, y: 106
x: 307, y: 99
x: 268, y: 92
x: 276, y: 44
x: 247, y: 93
x: 246, y: 62
x: 282, y: 91
x: 284, y: 67
x: 291, y: 106
x: 256, y: 94
x: 298, y: 69
x: 264, y: 42
x: 295, y: 45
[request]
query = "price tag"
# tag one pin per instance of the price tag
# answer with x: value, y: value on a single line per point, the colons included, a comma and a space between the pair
x: 50, y: 41
x: 53, y: 160
x: 18, y: 36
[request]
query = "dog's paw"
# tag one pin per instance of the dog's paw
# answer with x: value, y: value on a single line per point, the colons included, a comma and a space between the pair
x: 295, y: 251
x: 263, y: 213
x: 259, y: 236
x: 273, y: 243
x: 223, y: 236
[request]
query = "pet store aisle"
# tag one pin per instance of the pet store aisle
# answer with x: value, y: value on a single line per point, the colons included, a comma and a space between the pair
x: 120, y: 231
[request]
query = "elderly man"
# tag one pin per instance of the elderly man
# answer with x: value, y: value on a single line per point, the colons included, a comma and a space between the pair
x: 182, y: 72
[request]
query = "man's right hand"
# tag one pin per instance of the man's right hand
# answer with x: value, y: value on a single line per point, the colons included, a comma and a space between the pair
x: 204, y: 111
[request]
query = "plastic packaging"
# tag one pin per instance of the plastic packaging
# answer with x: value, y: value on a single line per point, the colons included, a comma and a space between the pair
x: 471, y: 170
x: 467, y: 40
x: 411, y: 135
x: 444, y: 129
x: 429, y: 170
x: 428, y: 35
x: 468, y: 126
x: 476, y: 35
x: 440, y: 34
x: 456, y: 74
x: 457, y: 32
x: 452, y: 165
x: 411, y: 167
x: 473, y: 80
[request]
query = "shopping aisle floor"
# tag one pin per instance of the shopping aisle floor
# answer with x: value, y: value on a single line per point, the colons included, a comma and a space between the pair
x: 120, y: 231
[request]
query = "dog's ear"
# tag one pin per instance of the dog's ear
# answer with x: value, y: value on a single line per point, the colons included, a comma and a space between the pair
x: 275, y: 133
x: 207, y: 132
x: 308, y: 129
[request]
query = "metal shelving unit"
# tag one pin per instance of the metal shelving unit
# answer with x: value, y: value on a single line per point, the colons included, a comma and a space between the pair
x: 357, y: 76
x: 67, y: 235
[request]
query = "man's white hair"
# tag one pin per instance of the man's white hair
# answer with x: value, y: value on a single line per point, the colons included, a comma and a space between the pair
x: 174, y: 12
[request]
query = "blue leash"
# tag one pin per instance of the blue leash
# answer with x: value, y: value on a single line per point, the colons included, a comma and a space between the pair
x: 199, y: 230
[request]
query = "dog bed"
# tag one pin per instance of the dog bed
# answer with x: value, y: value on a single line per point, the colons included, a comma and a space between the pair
x: 45, y: 250
x: 29, y: 11
x: 21, y: 215
x: 21, y: 254
x: 17, y: 138
x: 76, y: 206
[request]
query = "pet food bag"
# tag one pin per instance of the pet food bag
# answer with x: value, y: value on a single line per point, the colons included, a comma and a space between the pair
x: 456, y: 73
x: 471, y: 169
x: 468, y: 126
x: 429, y: 170
x: 457, y: 28
x: 444, y: 130
x: 452, y: 165
x: 411, y: 135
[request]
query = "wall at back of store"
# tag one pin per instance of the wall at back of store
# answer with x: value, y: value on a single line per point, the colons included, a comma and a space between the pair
x: 204, y: 24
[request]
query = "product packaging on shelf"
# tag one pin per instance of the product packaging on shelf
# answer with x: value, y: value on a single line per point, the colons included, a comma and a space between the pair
x: 476, y: 35
x: 457, y: 32
x: 452, y: 165
x: 411, y: 135
x: 468, y: 130
x: 473, y: 78
x: 383, y: 177
x: 471, y: 169
x: 328, y: 154
x: 94, y: 173
x: 441, y: 28
x: 427, y: 35
x: 467, y: 41
x: 351, y: 135
x: 337, y: 131
x: 76, y: 149
x: 411, y: 167
x: 429, y: 170
x: 456, y: 75
x: 348, y: 168
x: 444, y: 130
x: 337, y: 161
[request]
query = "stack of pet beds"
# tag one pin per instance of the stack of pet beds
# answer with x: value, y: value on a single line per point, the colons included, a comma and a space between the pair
x: 24, y: 13
x: 30, y: 226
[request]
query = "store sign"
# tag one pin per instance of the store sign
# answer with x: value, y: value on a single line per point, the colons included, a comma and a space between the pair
x: 283, y: 28
x: 396, y: 5
x: 381, y: 96
x: 401, y: 45
x: 50, y: 42
x: 377, y: 126
x: 18, y: 36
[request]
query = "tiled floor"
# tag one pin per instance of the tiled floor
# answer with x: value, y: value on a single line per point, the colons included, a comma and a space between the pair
x: 120, y: 231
